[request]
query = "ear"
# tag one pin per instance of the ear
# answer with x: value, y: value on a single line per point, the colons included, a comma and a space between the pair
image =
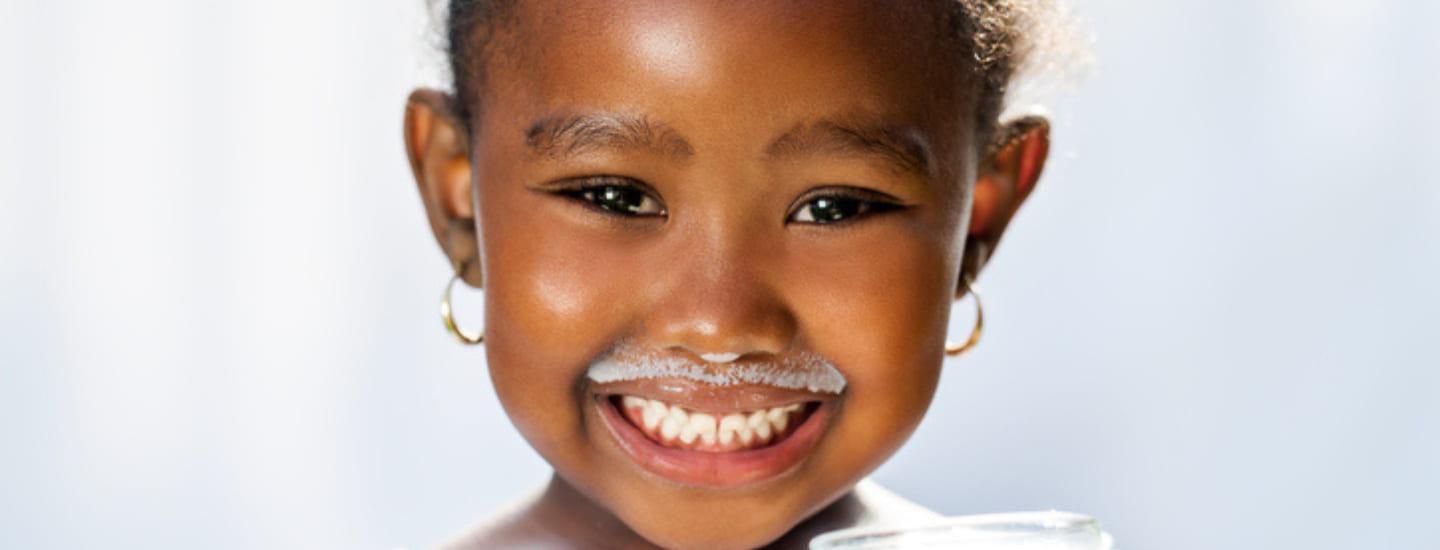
x: 1007, y: 176
x: 439, y: 155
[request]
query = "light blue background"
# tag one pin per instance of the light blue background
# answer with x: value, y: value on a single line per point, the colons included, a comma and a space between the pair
x: 1213, y: 327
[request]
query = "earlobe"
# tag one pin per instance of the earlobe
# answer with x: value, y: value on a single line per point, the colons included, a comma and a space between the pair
x: 438, y: 148
x: 1010, y: 172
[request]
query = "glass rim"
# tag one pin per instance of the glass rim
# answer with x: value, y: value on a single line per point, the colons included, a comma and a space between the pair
x: 1048, y: 519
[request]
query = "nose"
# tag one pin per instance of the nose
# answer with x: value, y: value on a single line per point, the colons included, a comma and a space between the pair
x: 719, y: 300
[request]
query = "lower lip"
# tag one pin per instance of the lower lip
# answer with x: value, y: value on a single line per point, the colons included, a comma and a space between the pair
x: 730, y: 469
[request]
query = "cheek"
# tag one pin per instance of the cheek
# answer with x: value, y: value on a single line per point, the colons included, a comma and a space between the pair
x: 550, y: 309
x: 880, y: 311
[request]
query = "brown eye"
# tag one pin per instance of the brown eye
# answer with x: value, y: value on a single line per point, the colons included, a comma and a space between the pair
x: 838, y: 207
x: 828, y: 210
x: 612, y: 195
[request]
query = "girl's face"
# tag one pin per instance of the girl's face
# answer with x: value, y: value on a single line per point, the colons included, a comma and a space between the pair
x: 785, y: 181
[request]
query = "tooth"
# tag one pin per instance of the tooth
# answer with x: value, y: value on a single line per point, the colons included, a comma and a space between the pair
x: 760, y: 424
x: 689, y: 429
x: 669, y: 428
x: 731, y: 425
x: 704, y: 426
x: 794, y: 408
x: 679, y: 419
x: 701, y: 425
x: 632, y: 402
x: 746, y: 434
x: 679, y: 415
x: 653, y: 412
x: 778, y: 418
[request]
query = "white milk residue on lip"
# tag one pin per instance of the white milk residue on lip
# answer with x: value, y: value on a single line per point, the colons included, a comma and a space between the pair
x: 804, y: 372
x: 719, y: 357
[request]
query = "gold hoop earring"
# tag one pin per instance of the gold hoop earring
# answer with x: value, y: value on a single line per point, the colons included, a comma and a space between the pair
x: 446, y: 315
x: 953, y: 349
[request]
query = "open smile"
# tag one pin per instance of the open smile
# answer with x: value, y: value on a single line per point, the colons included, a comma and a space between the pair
x: 721, y: 437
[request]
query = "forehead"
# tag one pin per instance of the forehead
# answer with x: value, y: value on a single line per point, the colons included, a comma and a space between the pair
x: 736, y: 69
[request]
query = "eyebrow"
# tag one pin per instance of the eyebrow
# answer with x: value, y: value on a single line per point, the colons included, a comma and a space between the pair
x: 566, y: 135
x: 905, y: 149
x: 571, y: 134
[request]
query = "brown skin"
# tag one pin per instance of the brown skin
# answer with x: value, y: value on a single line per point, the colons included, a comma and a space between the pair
x: 727, y: 267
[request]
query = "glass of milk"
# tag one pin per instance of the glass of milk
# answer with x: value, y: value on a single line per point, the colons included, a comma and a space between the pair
x: 1008, y: 531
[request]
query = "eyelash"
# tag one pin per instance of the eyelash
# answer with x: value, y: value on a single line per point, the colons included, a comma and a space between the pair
x: 869, y: 203
x: 866, y: 202
x: 587, y: 193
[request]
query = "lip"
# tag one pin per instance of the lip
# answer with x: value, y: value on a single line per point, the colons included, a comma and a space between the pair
x: 711, y: 469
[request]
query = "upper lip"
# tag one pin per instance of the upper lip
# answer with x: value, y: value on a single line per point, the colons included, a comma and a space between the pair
x: 709, y: 398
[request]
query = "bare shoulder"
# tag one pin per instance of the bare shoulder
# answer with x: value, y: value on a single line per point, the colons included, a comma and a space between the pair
x: 555, y: 517
x: 515, y: 526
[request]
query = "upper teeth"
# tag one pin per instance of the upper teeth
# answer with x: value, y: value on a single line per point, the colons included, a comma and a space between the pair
x: 673, y: 423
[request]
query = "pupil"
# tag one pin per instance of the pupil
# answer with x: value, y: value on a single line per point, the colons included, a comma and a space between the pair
x: 828, y: 209
x: 622, y: 200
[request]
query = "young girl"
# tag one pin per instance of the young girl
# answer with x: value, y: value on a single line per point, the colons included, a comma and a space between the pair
x: 719, y: 242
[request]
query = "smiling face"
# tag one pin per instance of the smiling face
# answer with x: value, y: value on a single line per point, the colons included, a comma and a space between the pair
x: 716, y: 187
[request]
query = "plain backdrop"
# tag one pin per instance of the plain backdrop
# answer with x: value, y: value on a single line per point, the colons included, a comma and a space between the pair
x: 1214, y: 326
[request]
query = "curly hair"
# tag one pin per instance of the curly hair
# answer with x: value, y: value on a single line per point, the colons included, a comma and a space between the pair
x: 1000, y: 36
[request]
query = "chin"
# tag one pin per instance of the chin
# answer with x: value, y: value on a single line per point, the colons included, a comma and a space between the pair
x: 708, y: 532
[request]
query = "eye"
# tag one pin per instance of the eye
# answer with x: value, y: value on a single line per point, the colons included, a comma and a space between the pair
x: 836, y: 206
x: 620, y: 196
